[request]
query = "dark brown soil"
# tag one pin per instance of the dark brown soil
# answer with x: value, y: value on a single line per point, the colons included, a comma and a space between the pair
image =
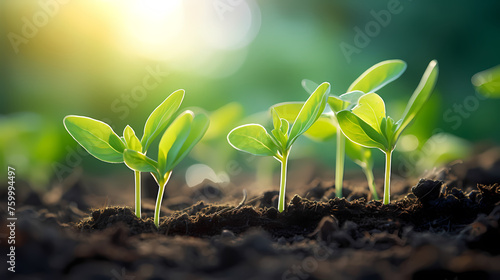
x: 444, y: 227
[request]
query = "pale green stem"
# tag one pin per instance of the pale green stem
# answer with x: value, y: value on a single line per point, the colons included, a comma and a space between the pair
x: 281, y: 202
x: 371, y: 181
x: 339, y: 165
x: 137, y: 175
x: 162, y: 185
x: 387, y: 183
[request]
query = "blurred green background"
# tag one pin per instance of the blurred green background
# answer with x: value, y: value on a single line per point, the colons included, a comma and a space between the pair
x: 117, y: 60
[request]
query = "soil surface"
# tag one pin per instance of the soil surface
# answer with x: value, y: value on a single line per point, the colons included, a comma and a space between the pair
x: 445, y: 226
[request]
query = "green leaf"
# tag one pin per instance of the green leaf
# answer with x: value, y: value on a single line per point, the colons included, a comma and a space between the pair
x: 288, y: 110
x: 371, y: 109
x: 378, y: 76
x: 276, y: 119
x: 419, y: 97
x: 309, y: 113
x: 199, y: 126
x: 322, y: 130
x: 358, y: 131
x: 139, y: 162
x: 161, y: 117
x: 253, y: 139
x: 351, y: 98
x: 360, y: 155
x: 487, y: 82
x: 309, y: 85
x: 172, y: 140
x: 131, y: 139
x: 284, y: 126
x: 335, y: 103
x: 97, y: 137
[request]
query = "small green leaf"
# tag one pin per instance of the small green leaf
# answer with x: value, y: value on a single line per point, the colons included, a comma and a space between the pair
x: 276, y: 119
x: 487, y: 82
x: 199, y: 126
x: 309, y: 113
x: 371, y: 109
x: 358, y: 131
x: 309, y: 85
x: 284, y: 126
x: 222, y: 119
x: 351, y: 98
x: 97, y: 137
x: 172, y: 140
x: 161, y: 117
x: 322, y: 130
x: 419, y: 97
x: 253, y: 139
x: 378, y: 76
x: 131, y: 139
x: 288, y: 110
x: 139, y: 162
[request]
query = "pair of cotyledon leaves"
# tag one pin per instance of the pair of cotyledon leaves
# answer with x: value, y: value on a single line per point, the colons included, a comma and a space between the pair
x: 367, y: 124
x: 254, y: 139
x: 181, y: 134
x: 325, y: 127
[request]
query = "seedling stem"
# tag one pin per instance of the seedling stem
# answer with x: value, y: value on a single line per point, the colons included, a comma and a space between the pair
x: 284, y: 161
x: 339, y: 167
x: 137, y: 175
x: 387, y: 183
x: 162, y: 185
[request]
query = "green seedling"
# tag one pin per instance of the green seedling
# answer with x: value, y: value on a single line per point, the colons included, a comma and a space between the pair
x: 254, y: 139
x: 326, y: 126
x: 177, y: 141
x: 99, y: 139
x: 367, y: 124
x: 487, y: 82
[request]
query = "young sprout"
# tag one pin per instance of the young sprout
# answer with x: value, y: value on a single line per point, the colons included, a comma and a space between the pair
x: 99, y: 139
x: 177, y: 141
x: 367, y: 124
x: 254, y: 139
x: 487, y: 82
x: 327, y: 126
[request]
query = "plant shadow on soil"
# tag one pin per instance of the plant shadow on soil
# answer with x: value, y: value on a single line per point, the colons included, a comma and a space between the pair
x: 444, y: 227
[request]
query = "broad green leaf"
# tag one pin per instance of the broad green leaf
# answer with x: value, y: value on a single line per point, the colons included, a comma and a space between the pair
x: 131, y: 139
x: 487, y: 82
x: 253, y: 139
x: 335, y: 103
x: 371, y: 109
x: 161, y: 117
x: 288, y: 110
x: 419, y: 97
x: 378, y: 75
x: 309, y: 85
x: 222, y: 120
x: 172, y: 140
x: 309, y: 113
x: 139, y: 162
x: 358, y: 131
x: 360, y: 155
x: 199, y: 126
x: 97, y: 137
x: 322, y: 130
